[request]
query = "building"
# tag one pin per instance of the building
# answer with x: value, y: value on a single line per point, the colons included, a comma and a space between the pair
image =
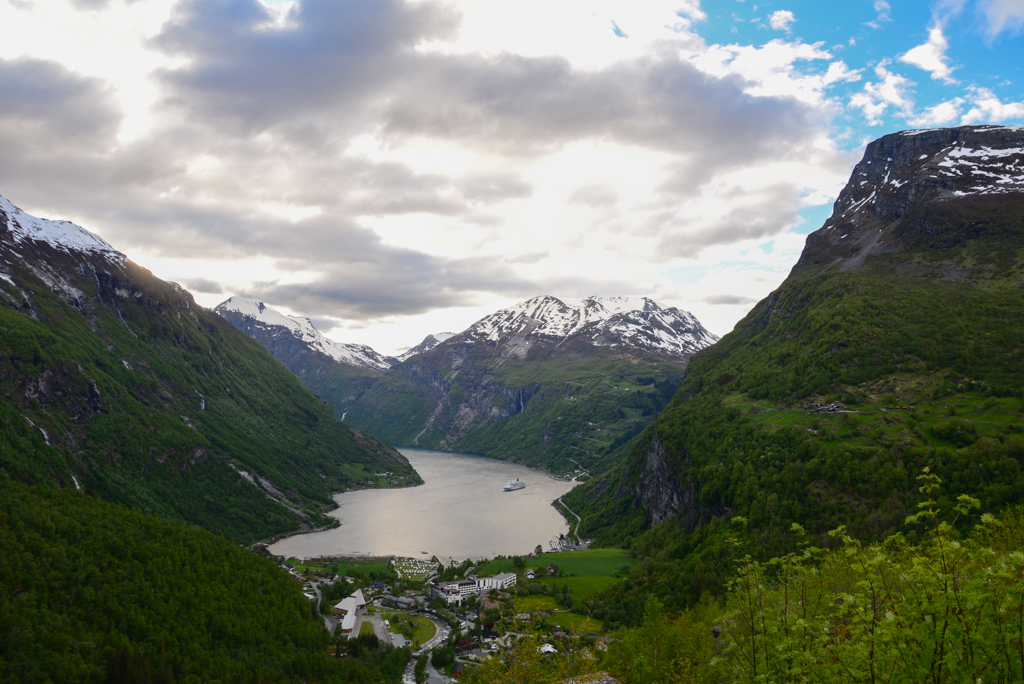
x: 502, y: 581
x: 454, y: 592
x: 348, y: 609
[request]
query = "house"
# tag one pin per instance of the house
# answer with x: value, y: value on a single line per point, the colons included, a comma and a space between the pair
x: 458, y: 670
x: 530, y: 574
x: 551, y: 569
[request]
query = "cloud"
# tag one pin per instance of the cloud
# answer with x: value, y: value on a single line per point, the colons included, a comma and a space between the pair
x: 781, y: 20
x: 247, y: 67
x: 882, y: 11
x: 595, y: 195
x: 728, y: 300
x: 931, y: 56
x: 354, y: 175
x: 1004, y: 15
x: 986, y: 107
x: 748, y: 215
x: 877, y: 97
x: 203, y: 285
x: 939, y: 115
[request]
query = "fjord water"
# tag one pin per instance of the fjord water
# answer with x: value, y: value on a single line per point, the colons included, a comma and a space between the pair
x: 461, y: 511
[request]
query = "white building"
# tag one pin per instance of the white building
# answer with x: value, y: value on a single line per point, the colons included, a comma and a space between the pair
x: 502, y: 581
x: 348, y: 608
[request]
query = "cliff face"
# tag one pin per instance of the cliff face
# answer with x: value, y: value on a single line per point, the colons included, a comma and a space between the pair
x: 667, y: 488
x: 908, y: 185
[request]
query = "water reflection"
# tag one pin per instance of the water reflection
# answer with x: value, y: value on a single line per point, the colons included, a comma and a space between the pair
x: 460, y: 512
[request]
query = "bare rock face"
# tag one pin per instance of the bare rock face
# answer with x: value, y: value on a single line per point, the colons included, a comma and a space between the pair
x: 907, y: 174
x: 658, y: 491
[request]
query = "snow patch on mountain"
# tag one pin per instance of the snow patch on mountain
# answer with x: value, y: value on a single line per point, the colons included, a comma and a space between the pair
x: 428, y: 343
x: 636, y: 322
x: 62, y: 235
x: 358, y: 355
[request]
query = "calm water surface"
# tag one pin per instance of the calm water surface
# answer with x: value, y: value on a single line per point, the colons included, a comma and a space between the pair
x: 460, y: 512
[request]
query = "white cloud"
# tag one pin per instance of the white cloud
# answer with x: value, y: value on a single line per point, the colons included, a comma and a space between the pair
x: 940, y: 114
x: 987, y: 108
x: 931, y: 56
x: 775, y: 69
x: 1004, y: 15
x: 781, y: 20
x: 398, y: 166
x: 877, y: 97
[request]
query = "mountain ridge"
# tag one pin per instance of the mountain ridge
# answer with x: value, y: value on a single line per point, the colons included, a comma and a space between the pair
x: 896, y: 344
x: 115, y: 381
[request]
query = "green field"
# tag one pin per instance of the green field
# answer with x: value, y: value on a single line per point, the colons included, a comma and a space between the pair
x: 574, y: 621
x: 365, y: 629
x: 535, y: 602
x: 582, y: 587
x: 423, y: 633
x: 592, y: 562
x: 344, y: 566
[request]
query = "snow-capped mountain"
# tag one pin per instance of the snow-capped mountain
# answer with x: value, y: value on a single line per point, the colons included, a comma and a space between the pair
x: 271, y: 328
x: 64, y: 236
x: 636, y: 323
x: 428, y: 343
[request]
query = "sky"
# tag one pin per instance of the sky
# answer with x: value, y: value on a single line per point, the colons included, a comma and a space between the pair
x: 395, y: 168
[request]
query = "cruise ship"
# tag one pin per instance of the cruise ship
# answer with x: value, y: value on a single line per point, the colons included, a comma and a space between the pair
x: 513, y: 486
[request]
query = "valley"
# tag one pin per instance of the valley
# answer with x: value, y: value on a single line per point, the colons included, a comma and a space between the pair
x: 859, y: 433
x: 561, y: 385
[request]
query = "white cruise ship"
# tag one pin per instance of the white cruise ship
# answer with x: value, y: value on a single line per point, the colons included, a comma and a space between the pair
x: 513, y: 486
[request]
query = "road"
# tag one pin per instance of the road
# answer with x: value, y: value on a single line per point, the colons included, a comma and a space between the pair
x: 578, y: 521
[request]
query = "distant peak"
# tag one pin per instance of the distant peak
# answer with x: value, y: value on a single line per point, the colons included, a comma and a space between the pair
x: 302, y: 329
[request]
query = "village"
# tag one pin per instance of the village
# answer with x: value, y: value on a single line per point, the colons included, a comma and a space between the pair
x: 460, y: 614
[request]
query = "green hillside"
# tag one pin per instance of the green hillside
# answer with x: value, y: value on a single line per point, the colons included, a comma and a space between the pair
x: 558, y: 413
x: 921, y: 345
x: 149, y: 400
x: 93, y: 592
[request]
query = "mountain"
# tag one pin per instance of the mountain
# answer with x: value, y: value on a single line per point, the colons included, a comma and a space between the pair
x: 287, y: 335
x: 896, y: 344
x: 428, y: 343
x: 336, y: 372
x: 543, y: 325
x: 115, y: 381
x: 557, y: 383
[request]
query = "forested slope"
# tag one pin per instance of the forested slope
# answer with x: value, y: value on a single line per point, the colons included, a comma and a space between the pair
x: 93, y: 592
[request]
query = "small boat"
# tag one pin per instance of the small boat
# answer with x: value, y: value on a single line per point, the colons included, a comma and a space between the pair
x: 513, y: 486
